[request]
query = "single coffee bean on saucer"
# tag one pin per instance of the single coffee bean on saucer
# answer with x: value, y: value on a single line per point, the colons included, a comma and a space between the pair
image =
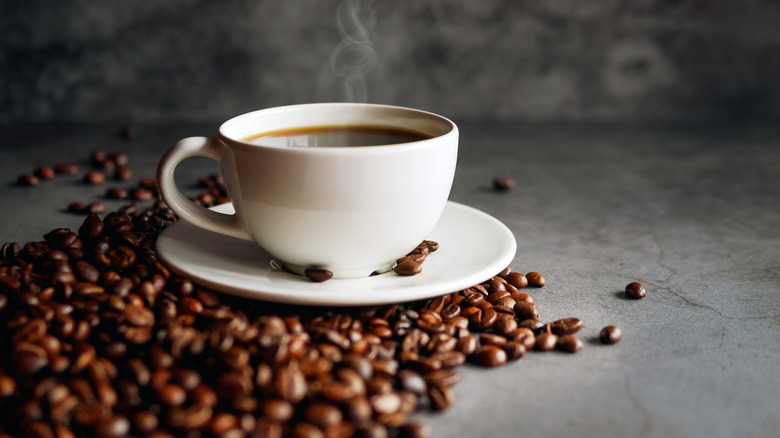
x: 317, y: 275
x: 635, y: 290
x: 610, y: 335
x: 408, y: 267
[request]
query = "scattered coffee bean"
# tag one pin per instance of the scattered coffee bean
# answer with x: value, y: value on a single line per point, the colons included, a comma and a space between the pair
x: 66, y: 169
x: 44, y: 172
x: 635, y: 290
x: 503, y: 184
x: 116, y: 193
x: 535, y: 279
x: 122, y: 173
x: 610, y: 335
x: 95, y: 178
x: 569, y: 344
x: 77, y: 207
x: 318, y: 275
x: 27, y: 180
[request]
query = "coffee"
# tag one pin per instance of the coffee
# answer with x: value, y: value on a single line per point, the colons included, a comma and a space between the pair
x: 334, y: 135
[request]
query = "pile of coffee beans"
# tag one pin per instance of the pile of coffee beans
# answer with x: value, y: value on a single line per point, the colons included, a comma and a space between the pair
x: 99, y: 338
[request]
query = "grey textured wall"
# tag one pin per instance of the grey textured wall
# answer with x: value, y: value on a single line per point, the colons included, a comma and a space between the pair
x: 601, y: 60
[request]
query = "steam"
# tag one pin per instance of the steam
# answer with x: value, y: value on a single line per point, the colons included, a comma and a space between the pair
x: 354, y: 56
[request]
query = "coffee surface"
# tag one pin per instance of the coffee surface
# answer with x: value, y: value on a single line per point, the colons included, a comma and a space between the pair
x: 335, y: 136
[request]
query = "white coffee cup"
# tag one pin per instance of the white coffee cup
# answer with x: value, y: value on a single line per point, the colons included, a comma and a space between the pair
x: 351, y: 210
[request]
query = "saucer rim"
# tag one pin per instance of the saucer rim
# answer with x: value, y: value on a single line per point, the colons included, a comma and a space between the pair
x: 383, y: 296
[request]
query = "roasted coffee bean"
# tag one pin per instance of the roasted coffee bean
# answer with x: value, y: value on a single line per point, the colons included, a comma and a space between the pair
x: 490, y: 356
x: 525, y: 311
x: 408, y: 267
x: 141, y: 194
x: 415, y: 430
x: 9, y: 250
x: 44, y: 172
x: 505, y: 326
x: 546, y: 341
x: 128, y: 132
x: 570, y: 344
x: 116, y: 193
x: 524, y: 336
x: 318, y: 275
x: 514, y: 350
x: 115, y: 426
x: 566, y: 326
x: 122, y: 173
x: 535, y: 279
x: 503, y: 184
x: 95, y: 207
x: 635, y: 290
x: 94, y: 177
x: 517, y: 279
x: 66, y: 169
x: 610, y: 335
x: 27, y: 180
x: 441, y: 397
x: 534, y: 324
x: 467, y: 345
x: 322, y: 415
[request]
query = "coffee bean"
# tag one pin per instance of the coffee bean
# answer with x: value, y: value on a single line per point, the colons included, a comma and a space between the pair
x: 569, y: 344
x: 116, y: 193
x: 524, y: 311
x: 610, y: 335
x: 524, y: 336
x: 322, y: 415
x: 514, y: 350
x: 490, y: 356
x: 635, y: 290
x: 432, y: 246
x: 535, y: 279
x: 546, y: 341
x: 95, y: 207
x: 502, y: 184
x: 44, y: 172
x: 441, y: 397
x: 116, y: 426
x: 27, y: 180
x: 318, y: 275
x: 408, y: 267
x: 9, y: 250
x: 95, y: 178
x: 517, y: 279
x: 122, y: 173
x: 66, y: 169
x: 566, y: 326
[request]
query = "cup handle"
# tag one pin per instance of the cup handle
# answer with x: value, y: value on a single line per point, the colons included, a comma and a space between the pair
x: 200, y: 216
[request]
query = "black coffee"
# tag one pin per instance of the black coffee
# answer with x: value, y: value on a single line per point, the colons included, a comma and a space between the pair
x: 331, y: 136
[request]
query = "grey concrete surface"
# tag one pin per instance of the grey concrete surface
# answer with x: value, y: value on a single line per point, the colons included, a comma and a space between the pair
x: 605, y: 60
x: 690, y: 211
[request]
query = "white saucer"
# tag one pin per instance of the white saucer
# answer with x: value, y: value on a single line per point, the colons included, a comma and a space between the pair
x: 473, y: 246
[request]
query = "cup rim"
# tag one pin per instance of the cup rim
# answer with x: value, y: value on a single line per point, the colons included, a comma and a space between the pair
x: 451, y: 129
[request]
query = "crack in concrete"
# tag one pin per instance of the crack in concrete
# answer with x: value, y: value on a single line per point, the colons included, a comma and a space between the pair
x: 647, y: 425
